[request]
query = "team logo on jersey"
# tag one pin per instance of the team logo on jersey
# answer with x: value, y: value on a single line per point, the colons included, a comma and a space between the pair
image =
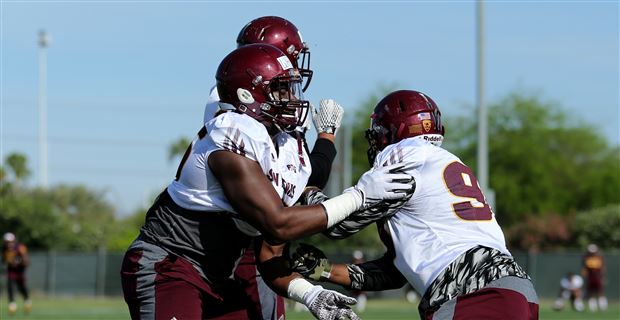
x: 273, y: 177
x: 289, y: 188
x: 291, y: 167
x: 427, y: 124
x: 276, y: 179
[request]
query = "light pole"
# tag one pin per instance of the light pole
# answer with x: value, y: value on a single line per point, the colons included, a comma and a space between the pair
x: 483, y: 124
x: 43, y: 41
x: 483, y: 168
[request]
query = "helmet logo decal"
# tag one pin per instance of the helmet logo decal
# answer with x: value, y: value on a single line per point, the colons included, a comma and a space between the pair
x: 415, y: 128
x: 427, y: 124
x: 245, y: 96
x: 285, y: 63
x: 424, y: 116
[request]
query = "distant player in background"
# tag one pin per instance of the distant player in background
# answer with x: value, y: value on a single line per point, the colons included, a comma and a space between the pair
x: 15, y: 257
x: 444, y: 240
x: 570, y: 290
x: 358, y: 258
x: 593, y: 271
x: 284, y: 35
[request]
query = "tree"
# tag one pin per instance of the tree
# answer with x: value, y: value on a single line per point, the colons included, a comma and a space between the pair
x: 540, y: 160
x: 178, y: 148
x: 600, y: 226
x: 18, y: 164
x: 61, y: 217
x: 544, y: 165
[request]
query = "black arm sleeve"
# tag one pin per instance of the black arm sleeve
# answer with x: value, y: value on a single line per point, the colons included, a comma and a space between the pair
x: 321, y: 159
x: 380, y: 274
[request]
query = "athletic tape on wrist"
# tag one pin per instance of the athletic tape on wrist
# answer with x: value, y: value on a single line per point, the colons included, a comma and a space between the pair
x: 340, y: 207
x: 298, y: 288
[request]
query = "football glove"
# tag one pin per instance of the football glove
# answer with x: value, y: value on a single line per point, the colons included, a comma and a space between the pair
x: 329, y: 116
x: 383, y: 183
x: 329, y: 305
x: 311, y: 262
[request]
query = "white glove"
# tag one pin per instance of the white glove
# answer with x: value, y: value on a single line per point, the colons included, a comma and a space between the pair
x: 384, y: 183
x: 329, y: 305
x: 329, y: 116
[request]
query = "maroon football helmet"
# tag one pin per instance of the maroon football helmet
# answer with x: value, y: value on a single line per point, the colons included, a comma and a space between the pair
x: 260, y: 81
x: 403, y: 114
x: 283, y: 35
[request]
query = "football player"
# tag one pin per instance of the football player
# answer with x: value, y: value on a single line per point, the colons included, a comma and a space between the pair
x: 238, y: 181
x: 284, y: 35
x: 444, y: 240
x: 593, y: 270
x: 15, y: 256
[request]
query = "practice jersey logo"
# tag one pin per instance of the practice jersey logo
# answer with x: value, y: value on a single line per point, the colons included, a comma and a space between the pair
x: 277, y: 180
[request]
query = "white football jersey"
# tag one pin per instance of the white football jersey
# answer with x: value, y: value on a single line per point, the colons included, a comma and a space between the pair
x: 212, y: 105
x: 196, y: 188
x: 446, y: 216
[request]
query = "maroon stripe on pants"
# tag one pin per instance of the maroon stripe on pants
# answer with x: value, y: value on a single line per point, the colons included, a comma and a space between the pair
x: 129, y: 281
x: 174, y: 296
x: 495, y: 304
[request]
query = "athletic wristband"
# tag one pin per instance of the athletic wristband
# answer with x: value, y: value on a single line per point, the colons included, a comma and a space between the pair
x: 340, y: 207
x: 298, y: 288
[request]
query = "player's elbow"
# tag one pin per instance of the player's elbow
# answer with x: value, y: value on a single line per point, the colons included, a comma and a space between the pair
x: 280, y: 229
x: 278, y: 232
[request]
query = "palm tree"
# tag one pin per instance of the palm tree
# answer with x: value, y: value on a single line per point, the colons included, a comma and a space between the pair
x: 17, y: 162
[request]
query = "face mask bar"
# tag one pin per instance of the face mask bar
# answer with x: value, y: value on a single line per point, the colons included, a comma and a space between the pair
x: 375, y: 136
x: 304, y: 67
x: 288, y: 108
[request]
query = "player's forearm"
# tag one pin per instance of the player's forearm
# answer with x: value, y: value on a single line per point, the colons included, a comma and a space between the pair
x: 376, y: 275
x: 328, y: 136
x: 340, y: 275
x: 321, y: 159
x: 274, y: 268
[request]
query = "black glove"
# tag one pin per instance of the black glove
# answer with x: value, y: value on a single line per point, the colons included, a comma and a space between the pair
x: 311, y: 262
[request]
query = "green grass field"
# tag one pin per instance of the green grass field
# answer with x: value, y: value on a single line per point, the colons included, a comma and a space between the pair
x: 115, y: 309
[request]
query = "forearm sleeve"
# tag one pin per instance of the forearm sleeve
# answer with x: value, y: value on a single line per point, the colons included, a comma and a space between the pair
x: 380, y: 274
x: 321, y: 159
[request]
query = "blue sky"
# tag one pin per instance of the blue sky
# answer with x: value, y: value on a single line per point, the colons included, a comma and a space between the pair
x: 125, y: 79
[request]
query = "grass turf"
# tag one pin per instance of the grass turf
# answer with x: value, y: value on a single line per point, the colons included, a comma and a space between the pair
x: 81, y: 308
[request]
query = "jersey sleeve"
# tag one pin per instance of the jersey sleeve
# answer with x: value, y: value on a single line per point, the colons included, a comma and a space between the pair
x: 237, y: 134
x: 212, y: 105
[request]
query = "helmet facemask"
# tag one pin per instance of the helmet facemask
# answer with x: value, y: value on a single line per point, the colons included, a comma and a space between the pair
x: 377, y: 140
x: 303, y: 65
x: 286, y: 107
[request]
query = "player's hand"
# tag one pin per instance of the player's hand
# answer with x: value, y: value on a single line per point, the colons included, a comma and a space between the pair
x: 384, y: 183
x: 362, y: 218
x: 328, y: 117
x: 329, y: 305
x: 311, y: 262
